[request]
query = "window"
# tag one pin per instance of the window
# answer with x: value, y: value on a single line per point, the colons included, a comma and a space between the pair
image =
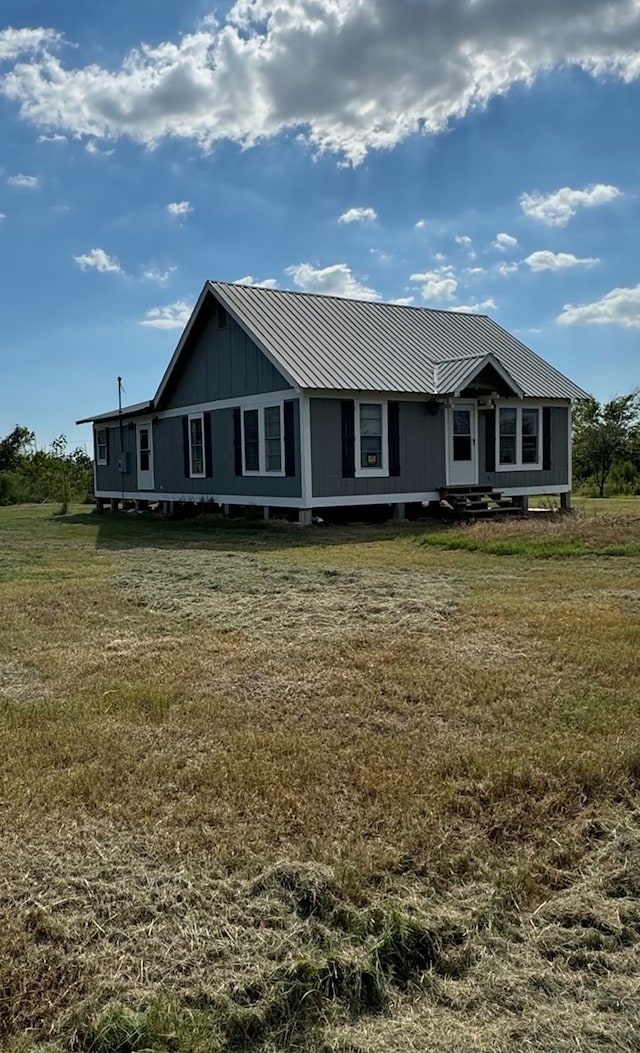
x: 262, y: 441
x: 196, y: 446
x: 518, y: 437
x: 272, y: 439
x: 251, y: 441
x: 371, y: 439
x: 462, y: 441
x: 144, y: 440
x: 102, y: 447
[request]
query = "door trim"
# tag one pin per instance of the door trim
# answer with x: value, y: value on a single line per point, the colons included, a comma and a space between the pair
x: 150, y: 474
x: 454, y: 404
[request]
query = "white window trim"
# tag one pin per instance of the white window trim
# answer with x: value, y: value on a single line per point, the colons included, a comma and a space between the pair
x: 192, y: 474
x: 372, y: 473
x: 519, y: 466
x: 262, y: 452
x: 102, y: 461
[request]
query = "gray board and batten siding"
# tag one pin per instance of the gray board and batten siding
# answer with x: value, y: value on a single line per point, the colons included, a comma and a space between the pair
x: 421, y: 452
x: 219, y: 362
x: 171, y: 474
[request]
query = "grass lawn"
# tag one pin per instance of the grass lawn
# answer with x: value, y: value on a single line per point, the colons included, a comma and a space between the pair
x: 352, y: 789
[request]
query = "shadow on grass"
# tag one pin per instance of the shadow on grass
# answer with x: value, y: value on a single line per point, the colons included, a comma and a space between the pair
x: 126, y: 530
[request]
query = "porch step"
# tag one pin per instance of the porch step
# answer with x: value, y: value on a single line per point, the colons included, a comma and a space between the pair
x: 476, y: 502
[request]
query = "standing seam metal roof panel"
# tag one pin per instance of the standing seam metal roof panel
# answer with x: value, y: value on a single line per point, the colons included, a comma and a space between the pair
x: 331, y: 343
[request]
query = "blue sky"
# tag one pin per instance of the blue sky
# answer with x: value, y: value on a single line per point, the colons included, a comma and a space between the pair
x: 463, y: 155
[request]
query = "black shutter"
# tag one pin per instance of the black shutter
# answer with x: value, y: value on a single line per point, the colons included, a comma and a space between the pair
x: 348, y: 439
x: 490, y: 440
x: 185, y: 447
x: 289, y: 440
x: 106, y: 440
x: 393, y: 423
x: 207, y: 424
x: 237, y: 441
x: 546, y: 438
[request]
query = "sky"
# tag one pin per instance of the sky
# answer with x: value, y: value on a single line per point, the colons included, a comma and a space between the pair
x: 461, y: 154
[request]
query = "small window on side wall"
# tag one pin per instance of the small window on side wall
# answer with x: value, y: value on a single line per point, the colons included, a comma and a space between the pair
x: 102, y: 446
x: 371, y: 435
x: 251, y: 444
x: 196, y: 446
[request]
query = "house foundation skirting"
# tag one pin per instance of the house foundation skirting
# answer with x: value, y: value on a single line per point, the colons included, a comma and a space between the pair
x: 316, y: 502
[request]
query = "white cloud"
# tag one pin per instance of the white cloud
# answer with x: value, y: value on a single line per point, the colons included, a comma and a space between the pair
x: 504, y: 242
x: 476, y: 308
x: 421, y: 224
x: 545, y: 260
x: 152, y: 274
x: 473, y: 272
x: 403, y: 301
x: 464, y: 239
x: 504, y: 269
x: 439, y: 284
x: 16, y: 42
x: 337, y: 280
x: 3, y: 215
x: 173, y: 316
x: 266, y: 283
x: 100, y: 261
x: 359, y: 215
x: 558, y: 208
x: 618, y: 307
x: 93, y: 148
x: 439, y: 257
x: 381, y: 255
x: 51, y: 139
x: 24, y: 182
x: 348, y: 76
x: 179, y: 209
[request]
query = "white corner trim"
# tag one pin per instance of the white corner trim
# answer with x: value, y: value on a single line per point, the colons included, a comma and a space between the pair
x: 306, y: 462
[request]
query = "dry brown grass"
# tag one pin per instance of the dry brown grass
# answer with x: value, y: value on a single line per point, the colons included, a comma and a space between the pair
x: 248, y: 777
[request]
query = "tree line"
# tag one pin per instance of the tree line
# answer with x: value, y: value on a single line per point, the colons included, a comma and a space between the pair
x: 606, y: 457
x: 29, y: 474
x: 606, y: 445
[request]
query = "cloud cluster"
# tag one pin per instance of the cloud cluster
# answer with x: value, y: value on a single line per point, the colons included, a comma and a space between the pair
x: 438, y: 284
x: 24, y: 182
x: 17, y: 42
x: 337, y: 280
x: 558, y: 208
x: 618, y: 307
x: 349, y: 76
x: 179, y: 209
x: 359, y: 215
x: 545, y: 260
x: 173, y: 316
x: 266, y: 283
x: 504, y: 242
x: 99, y: 260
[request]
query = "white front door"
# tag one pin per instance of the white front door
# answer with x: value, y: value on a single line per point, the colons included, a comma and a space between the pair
x: 145, y: 456
x: 462, y: 447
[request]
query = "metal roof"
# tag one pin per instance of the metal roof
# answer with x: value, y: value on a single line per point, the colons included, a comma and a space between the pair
x: 332, y: 343
x: 129, y: 411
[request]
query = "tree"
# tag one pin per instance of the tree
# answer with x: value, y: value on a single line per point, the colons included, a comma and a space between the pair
x: 13, y: 448
x: 604, y: 433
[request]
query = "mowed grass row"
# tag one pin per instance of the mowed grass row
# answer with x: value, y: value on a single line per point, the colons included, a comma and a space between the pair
x: 441, y: 726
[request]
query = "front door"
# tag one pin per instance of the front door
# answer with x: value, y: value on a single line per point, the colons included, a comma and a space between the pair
x: 145, y: 456
x: 462, y: 446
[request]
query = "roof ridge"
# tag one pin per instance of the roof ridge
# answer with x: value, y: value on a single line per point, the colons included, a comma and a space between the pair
x: 347, y: 299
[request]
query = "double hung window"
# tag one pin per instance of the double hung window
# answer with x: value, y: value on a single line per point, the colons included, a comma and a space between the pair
x: 196, y: 446
x: 102, y: 448
x: 371, y: 433
x: 263, y: 441
x: 518, y: 437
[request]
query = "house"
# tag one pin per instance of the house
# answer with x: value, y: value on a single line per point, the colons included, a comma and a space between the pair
x: 299, y: 401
